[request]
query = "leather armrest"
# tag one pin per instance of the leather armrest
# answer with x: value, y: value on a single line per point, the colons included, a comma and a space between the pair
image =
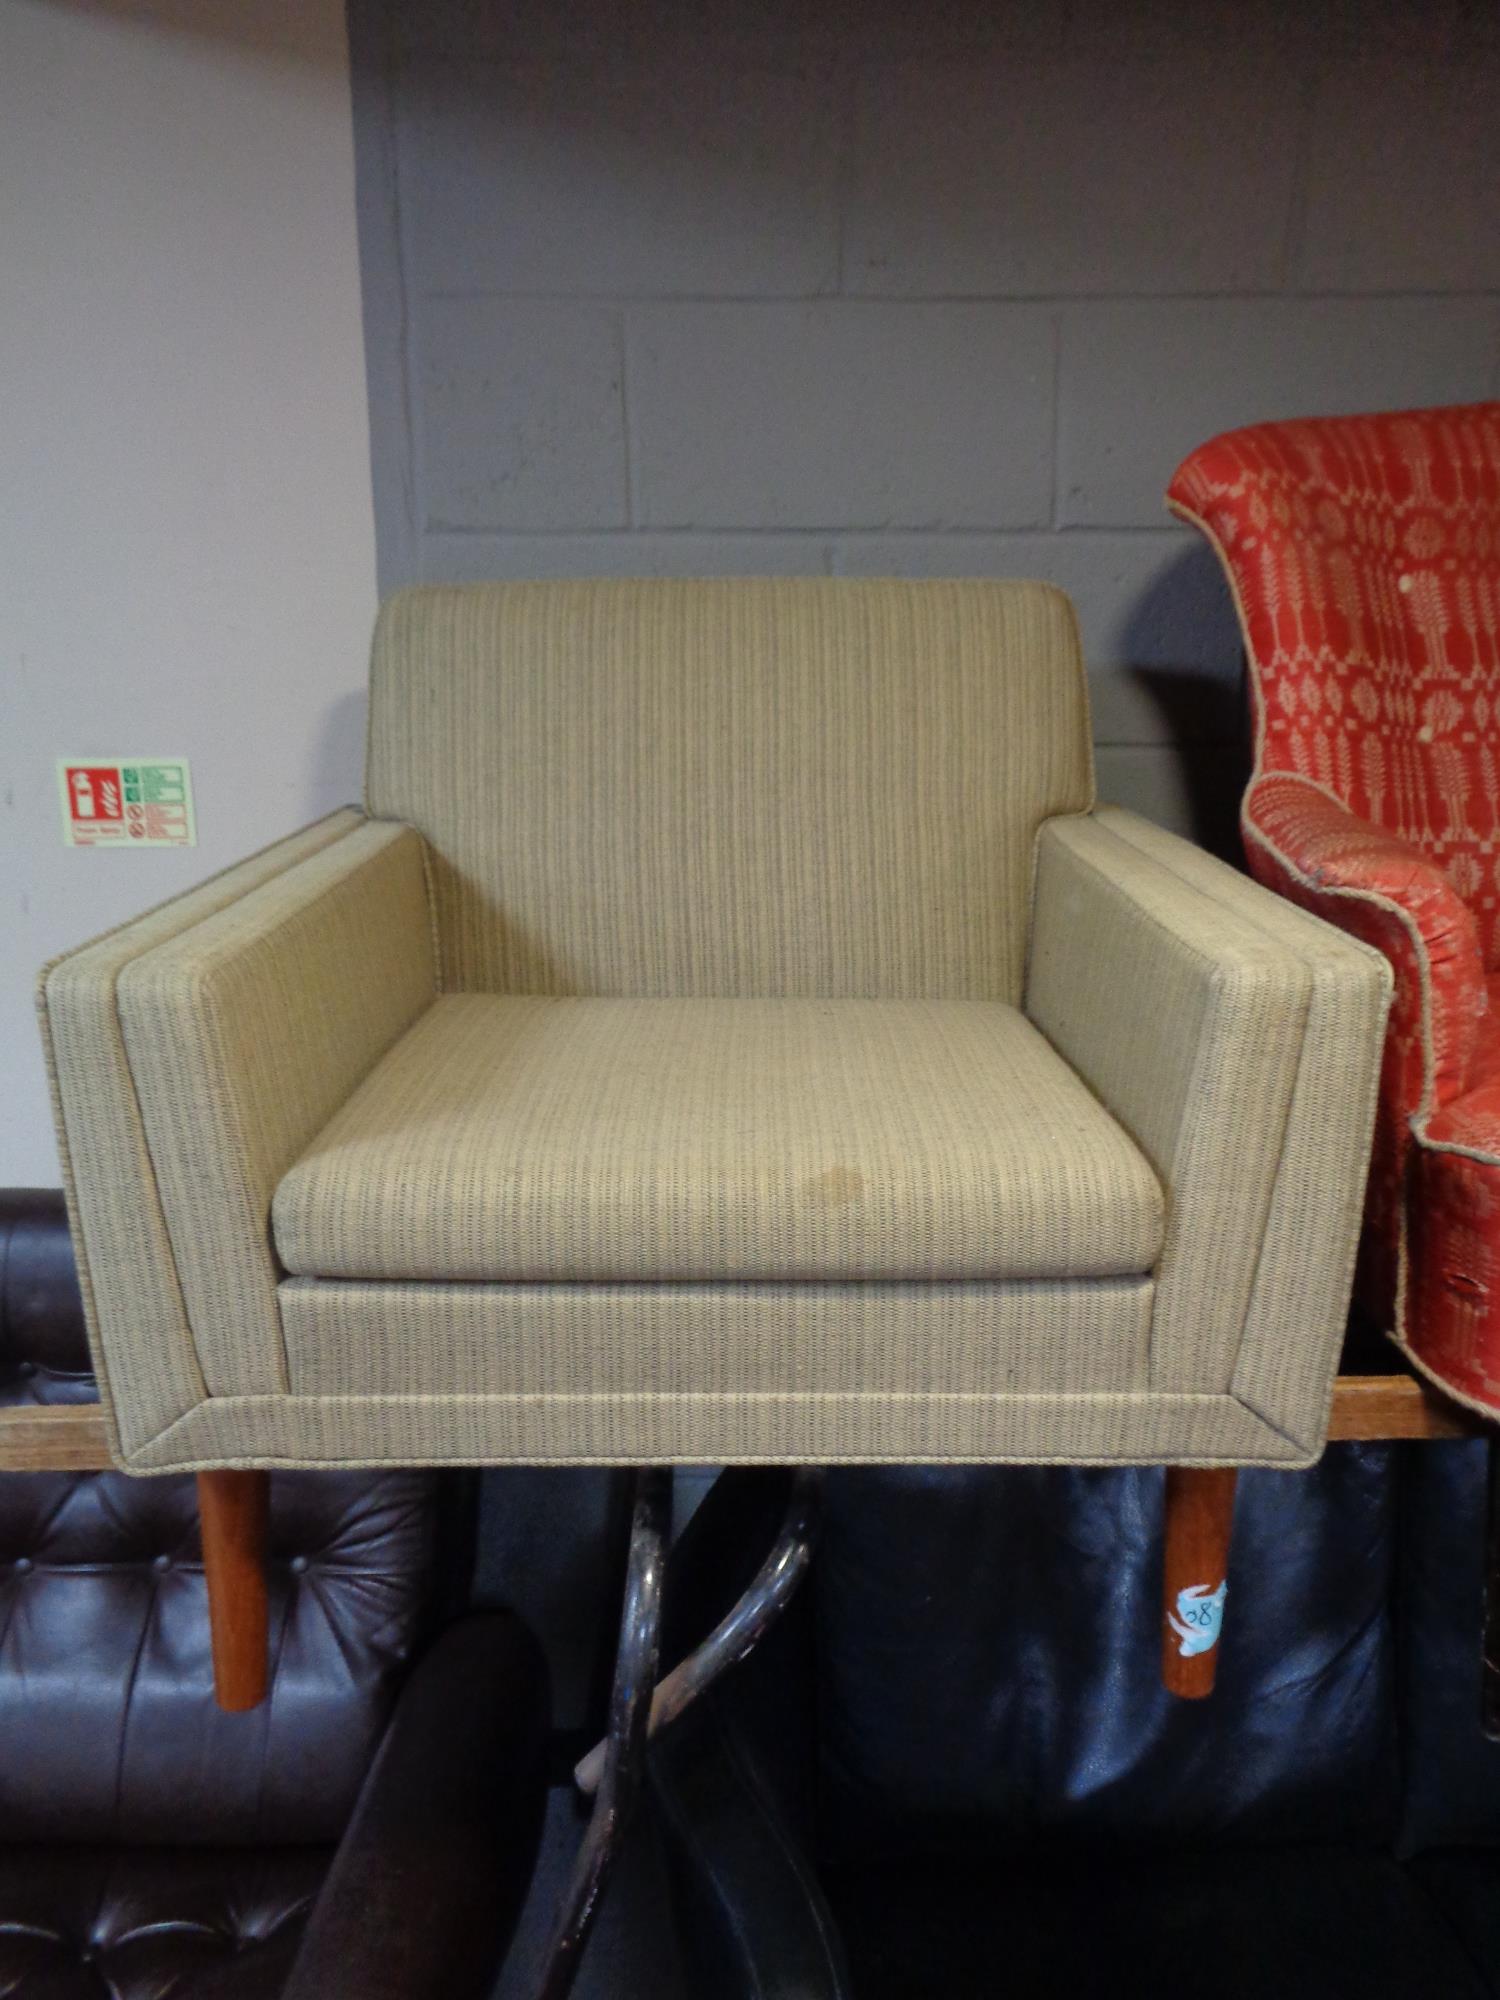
x: 430, y: 1877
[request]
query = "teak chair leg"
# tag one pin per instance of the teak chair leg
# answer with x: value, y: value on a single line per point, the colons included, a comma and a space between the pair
x: 1200, y: 1515
x: 233, y: 1508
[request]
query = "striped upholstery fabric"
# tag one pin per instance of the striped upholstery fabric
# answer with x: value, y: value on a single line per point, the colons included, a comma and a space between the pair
x: 243, y: 1033
x: 1294, y: 1324
x: 1129, y: 967
x: 578, y: 1141
x: 1137, y: 957
x: 138, y: 1327
x: 692, y: 1427
x: 725, y: 1346
x: 644, y: 1080
x: 796, y: 788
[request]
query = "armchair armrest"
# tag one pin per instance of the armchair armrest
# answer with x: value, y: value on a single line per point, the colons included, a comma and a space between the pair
x: 1238, y: 1042
x: 139, y: 1340
x: 429, y: 1879
x: 244, y: 1033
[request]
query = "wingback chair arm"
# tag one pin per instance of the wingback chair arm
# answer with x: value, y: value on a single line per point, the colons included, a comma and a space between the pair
x: 429, y: 1879
x: 196, y: 1053
x: 1239, y: 1044
x: 1305, y: 843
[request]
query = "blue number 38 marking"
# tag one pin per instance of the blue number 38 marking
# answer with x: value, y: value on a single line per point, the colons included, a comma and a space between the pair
x: 1199, y: 1618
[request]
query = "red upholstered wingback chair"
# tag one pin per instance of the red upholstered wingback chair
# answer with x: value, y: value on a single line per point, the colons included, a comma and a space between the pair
x: 1364, y: 557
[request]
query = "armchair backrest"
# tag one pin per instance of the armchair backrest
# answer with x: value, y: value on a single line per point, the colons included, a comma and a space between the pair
x: 1365, y: 557
x: 805, y: 787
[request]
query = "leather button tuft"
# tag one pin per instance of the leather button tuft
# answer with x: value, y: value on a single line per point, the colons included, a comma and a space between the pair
x: 24, y: 1565
x: 26, y: 1369
x: 161, y: 1562
x: 297, y: 1565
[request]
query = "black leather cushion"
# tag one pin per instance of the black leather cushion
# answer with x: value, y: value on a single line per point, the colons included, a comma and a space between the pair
x: 109, y: 1734
x: 143, y: 1923
x: 107, y: 1717
x: 44, y: 1355
x: 1009, y: 1801
x: 989, y: 1662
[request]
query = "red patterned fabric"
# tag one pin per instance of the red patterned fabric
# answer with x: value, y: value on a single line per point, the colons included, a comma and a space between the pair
x: 1364, y: 555
x: 1302, y: 842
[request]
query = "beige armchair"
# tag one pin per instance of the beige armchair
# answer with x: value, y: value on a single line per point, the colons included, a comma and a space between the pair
x: 728, y: 1033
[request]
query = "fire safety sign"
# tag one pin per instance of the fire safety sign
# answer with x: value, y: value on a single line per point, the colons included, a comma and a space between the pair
x: 126, y: 802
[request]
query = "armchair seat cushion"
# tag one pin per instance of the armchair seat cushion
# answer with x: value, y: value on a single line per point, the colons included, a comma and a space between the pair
x: 578, y: 1141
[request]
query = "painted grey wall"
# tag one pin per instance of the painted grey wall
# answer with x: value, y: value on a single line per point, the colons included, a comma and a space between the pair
x: 187, y: 551
x: 863, y: 287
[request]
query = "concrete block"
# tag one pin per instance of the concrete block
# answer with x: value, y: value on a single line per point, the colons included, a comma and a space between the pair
x: 1404, y: 179
x: 495, y: 558
x: 1141, y: 384
x: 521, y: 422
x: 1026, y: 177
x: 647, y: 178
x: 841, y: 415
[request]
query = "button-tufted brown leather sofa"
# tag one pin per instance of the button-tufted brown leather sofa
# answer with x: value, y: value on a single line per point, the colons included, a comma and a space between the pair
x: 368, y: 1831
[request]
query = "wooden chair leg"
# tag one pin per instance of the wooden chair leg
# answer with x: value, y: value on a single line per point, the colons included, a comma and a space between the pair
x: 233, y: 1508
x: 1200, y: 1515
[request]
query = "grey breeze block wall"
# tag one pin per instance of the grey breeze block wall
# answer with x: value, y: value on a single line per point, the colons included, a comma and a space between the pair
x: 750, y: 286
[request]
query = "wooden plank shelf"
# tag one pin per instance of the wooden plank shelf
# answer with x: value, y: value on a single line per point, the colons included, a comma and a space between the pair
x: 53, y: 1437
x: 1370, y: 1407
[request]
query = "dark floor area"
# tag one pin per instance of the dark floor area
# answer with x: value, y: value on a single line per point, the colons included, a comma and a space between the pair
x: 1296, y: 1924
x: 1238, y: 1925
